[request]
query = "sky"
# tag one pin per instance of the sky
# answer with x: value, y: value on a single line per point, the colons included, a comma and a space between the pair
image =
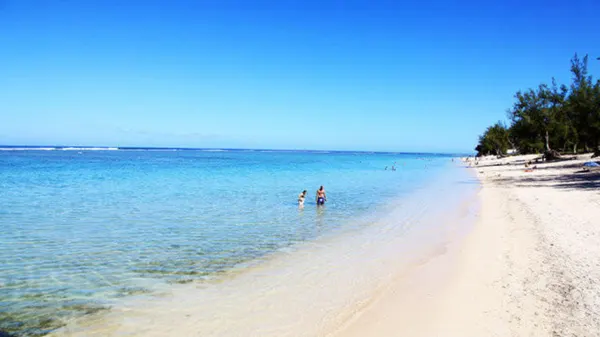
x: 333, y: 75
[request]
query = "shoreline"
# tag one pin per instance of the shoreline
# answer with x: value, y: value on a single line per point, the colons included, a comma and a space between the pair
x: 529, y: 267
x: 109, y: 228
x: 310, y: 291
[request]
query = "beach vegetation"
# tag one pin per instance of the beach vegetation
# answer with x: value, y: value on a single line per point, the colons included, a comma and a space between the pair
x: 550, y: 118
x: 495, y: 140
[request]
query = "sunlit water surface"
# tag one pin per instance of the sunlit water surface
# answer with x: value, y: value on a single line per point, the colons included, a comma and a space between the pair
x: 83, y: 229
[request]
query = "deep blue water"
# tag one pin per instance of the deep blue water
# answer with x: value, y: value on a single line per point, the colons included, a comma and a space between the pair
x: 81, y: 229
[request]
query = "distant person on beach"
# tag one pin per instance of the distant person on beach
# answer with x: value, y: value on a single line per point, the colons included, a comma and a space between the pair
x: 321, y: 196
x: 301, y: 198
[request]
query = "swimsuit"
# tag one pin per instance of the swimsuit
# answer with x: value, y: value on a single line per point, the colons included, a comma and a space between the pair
x: 320, y: 201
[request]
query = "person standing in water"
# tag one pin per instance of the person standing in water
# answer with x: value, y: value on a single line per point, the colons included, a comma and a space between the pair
x: 301, y: 198
x: 321, y: 196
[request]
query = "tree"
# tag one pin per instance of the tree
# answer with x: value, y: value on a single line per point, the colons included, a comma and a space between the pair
x: 537, y: 114
x: 595, y: 123
x: 525, y: 138
x: 551, y: 116
x: 494, y: 140
x: 583, y: 108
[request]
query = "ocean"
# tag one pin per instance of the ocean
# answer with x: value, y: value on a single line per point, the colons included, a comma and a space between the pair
x: 84, y: 229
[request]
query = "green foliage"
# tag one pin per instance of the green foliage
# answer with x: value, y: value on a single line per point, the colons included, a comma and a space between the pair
x: 582, y: 106
x: 494, y: 140
x: 524, y: 138
x: 560, y: 117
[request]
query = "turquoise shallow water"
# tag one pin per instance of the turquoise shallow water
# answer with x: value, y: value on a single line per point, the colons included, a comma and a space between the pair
x: 83, y: 229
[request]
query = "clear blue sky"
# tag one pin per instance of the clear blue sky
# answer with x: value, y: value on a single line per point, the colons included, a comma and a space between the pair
x: 363, y: 75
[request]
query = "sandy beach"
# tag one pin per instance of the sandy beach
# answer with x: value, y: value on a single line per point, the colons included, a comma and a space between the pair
x: 530, y: 266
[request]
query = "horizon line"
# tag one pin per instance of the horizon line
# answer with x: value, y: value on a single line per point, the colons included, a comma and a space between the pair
x: 102, y: 147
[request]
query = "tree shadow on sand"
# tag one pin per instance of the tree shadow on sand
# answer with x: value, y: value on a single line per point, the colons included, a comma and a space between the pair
x: 577, y: 180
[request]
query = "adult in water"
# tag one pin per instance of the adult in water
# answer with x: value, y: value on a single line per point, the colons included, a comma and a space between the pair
x: 321, y: 196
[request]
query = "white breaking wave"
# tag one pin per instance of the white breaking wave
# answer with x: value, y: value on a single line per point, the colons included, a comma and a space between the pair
x: 149, y: 150
x: 90, y: 148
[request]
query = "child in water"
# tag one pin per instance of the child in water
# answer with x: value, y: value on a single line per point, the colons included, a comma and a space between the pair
x: 301, y: 198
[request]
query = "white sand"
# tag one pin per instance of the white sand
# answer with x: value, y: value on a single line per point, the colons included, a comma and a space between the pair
x: 530, y: 267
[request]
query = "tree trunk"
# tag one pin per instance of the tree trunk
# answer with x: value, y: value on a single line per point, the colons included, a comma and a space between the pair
x: 596, y: 150
x: 547, y: 142
x: 575, y: 148
x: 550, y: 154
x: 512, y: 145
